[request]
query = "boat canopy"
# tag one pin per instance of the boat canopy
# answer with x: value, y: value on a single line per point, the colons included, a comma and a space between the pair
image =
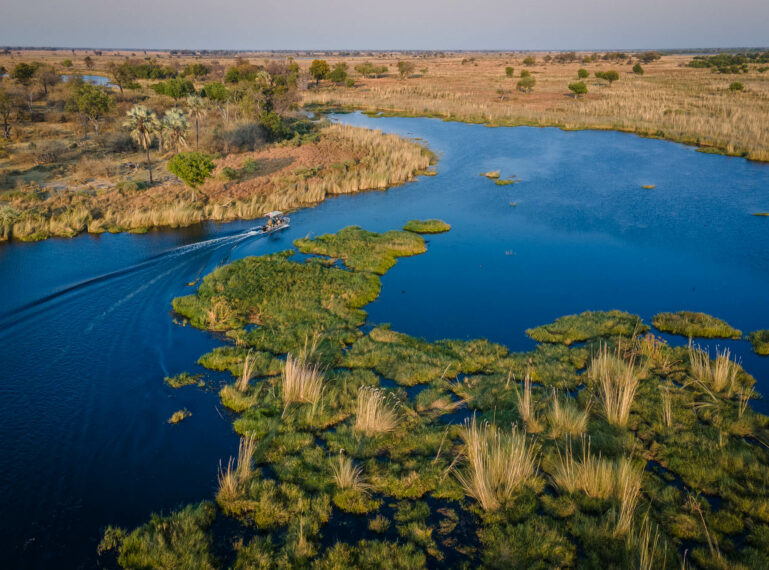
x: 273, y: 214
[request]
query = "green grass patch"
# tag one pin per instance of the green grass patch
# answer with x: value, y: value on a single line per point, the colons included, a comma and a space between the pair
x: 589, y: 325
x: 426, y: 226
x: 184, y: 379
x: 760, y: 342
x: 179, y: 416
x: 692, y: 324
x: 362, y: 250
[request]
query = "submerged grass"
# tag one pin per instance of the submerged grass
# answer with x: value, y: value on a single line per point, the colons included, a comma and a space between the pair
x: 691, y: 324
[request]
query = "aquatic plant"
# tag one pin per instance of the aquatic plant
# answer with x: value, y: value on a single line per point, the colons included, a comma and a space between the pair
x: 184, y: 379
x: 565, y: 417
x: 364, y: 251
x: 376, y: 412
x: 589, y: 325
x: 719, y: 374
x: 249, y: 366
x: 179, y: 416
x: 493, y: 174
x: 426, y: 226
x: 526, y: 408
x: 347, y: 475
x: 302, y: 383
x: 760, y: 342
x: 617, y: 381
x: 691, y: 324
x: 237, y: 472
x: 498, y: 464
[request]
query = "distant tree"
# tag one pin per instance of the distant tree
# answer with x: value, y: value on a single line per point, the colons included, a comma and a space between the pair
x: 339, y: 73
x: 319, y: 69
x: 548, y: 58
x: 405, y: 69
x: 582, y: 73
x: 23, y: 73
x: 510, y: 71
x: 88, y: 61
x: 736, y: 86
x: 67, y: 63
x: 215, y: 91
x: 176, y: 123
x: 638, y: 69
x: 122, y: 75
x: 9, y: 102
x: 649, y: 56
x: 191, y: 167
x: 198, y: 108
x: 3, y: 71
x: 526, y: 84
x: 525, y: 73
x: 349, y: 82
x: 47, y: 77
x: 578, y: 88
x: 611, y: 76
x: 175, y: 88
x: 529, y: 60
x: 144, y: 127
x: 196, y: 70
x: 91, y: 103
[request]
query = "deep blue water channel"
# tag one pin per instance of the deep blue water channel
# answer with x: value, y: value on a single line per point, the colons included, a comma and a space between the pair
x: 86, y: 334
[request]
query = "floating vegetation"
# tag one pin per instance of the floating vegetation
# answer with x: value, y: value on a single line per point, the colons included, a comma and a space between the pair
x: 691, y: 324
x: 589, y: 325
x: 649, y: 186
x: 493, y: 174
x: 427, y: 226
x: 760, y: 342
x: 179, y: 416
x: 385, y: 450
x: 762, y: 214
x: 364, y: 251
x: 505, y: 182
x: 184, y: 379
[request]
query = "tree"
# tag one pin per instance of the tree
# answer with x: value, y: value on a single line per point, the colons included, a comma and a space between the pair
x: 91, y: 103
x: 526, y: 84
x: 175, y: 88
x: 367, y: 69
x: 509, y: 71
x: 649, y: 56
x: 47, y: 77
x: 529, y: 60
x: 319, y: 69
x: 525, y: 73
x: 610, y: 76
x: 9, y: 102
x: 196, y: 70
x: 88, y: 61
x: 144, y: 126
x: 582, y: 73
x: 405, y: 69
x: 638, y: 69
x: 67, y: 63
x: 736, y: 86
x: 23, y: 73
x: 191, y: 167
x: 578, y: 88
x: 198, y: 108
x: 122, y: 75
x: 176, y: 123
x: 339, y: 73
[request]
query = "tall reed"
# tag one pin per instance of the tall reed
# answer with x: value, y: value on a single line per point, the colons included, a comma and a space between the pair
x: 617, y: 380
x: 376, y: 412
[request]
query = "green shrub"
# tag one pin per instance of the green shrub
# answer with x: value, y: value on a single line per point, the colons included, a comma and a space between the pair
x: 578, y: 88
x: 736, y: 86
x: 582, y: 73
x: 191, y: 167
x: 638, y: 69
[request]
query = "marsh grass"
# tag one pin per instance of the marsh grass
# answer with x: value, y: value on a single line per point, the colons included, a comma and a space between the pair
x: 179, y: 416
x: 301, y: 383
x: 719, y: 374
x: 617, y: 381
x: 498, y: 464
x: 232, y: 478
x: 527, y: 408
x: 691, y: 324
x: 347, y: 475
x: 376, y: 412
x: 426, y: 226
x: 589, y: 325
x: 666, y: 400
x: 249, y: 366
x: 760, y: 342
x: 565, y: 417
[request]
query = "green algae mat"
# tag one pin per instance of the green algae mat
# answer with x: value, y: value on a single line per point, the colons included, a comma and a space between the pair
x: 366, y: 447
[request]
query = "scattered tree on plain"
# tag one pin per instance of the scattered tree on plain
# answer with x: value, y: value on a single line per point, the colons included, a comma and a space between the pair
x: 509, y: 71
x: 319, y: 69
x: 579, y: 88
x: 582, y: 73
x: 526, y: 84
x: 638, y: 69
x: 144, y: 126
x: 91, y: 103
x: 405, y: 69
x: 611, y: 76
x: 736, y: 86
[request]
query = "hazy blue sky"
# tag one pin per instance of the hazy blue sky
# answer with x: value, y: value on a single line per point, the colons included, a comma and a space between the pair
x: 385, y: 24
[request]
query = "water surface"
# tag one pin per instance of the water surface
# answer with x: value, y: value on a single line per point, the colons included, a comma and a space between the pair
x: 86, y: 334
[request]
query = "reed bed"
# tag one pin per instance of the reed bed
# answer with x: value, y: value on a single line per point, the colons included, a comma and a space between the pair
x: 526, y: 407
x: 301, y: 383
x: 498, y: 464
x: 237, y: 472
x: 376, y: 412
x: 720, y: 374
x: 617, y: 381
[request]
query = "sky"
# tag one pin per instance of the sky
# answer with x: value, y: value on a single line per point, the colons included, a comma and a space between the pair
x: 385, y: 24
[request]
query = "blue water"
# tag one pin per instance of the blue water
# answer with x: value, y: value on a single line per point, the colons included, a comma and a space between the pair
x: 92, y: 79
x: 86, y: 334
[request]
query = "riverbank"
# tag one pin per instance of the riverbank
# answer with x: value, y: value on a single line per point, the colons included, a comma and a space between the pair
x: 338, y: 160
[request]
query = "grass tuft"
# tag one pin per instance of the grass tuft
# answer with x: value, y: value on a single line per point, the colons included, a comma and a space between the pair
x: 376, y: 413
x: 617, y: 381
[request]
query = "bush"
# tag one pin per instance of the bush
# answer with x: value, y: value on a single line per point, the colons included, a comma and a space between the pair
x: 638, y: 69
x: 578, y: 88
x: 250, y: 166
x: 526, y: 84
x: 176, y: 88
x: 229, y: 173
x: 582, y: 73
x: 117, y: 142
x: 49, y: 152
x: 192, y: 167
x: 245, y: 137
x: 350, y: 82
x: 736, y: 86
x: 509, y: 71
x: 275, y: 126
x: 525, y: 73
x: 529, y: 60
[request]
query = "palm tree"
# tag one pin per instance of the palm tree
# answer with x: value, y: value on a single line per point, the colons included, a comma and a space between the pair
x: 144, y: 127
x: 198, y: 108
x: 176, y: 123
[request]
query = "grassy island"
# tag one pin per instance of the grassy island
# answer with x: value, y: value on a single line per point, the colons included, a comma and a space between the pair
x: 691, y: 324
x: 760, y: 342
x: 427, y: 226
x: 382, y: 450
